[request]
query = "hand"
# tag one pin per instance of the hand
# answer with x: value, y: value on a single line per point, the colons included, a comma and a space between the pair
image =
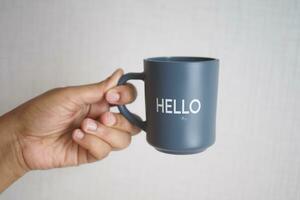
x: 71, y: 126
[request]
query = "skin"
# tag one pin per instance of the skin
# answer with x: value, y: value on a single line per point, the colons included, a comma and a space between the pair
x: 64, y: 127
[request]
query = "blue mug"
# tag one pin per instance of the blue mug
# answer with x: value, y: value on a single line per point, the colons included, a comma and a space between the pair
x: 181, y: 103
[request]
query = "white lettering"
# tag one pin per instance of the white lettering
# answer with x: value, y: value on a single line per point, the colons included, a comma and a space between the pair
x: 168, y: 105
x: 184, y: 111
x: 198, y: 104
x: 172, y: 106
x: 160, y: 105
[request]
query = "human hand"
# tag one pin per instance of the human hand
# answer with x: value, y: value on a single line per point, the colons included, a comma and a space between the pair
x: 71, y: 126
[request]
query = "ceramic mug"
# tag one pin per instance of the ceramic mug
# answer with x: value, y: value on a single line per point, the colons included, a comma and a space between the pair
x: 181, y: 103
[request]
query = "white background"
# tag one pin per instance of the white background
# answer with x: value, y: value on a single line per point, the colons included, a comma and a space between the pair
x: 45, y: 44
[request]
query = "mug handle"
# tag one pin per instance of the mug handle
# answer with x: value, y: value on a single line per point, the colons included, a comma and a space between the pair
x: 133, y: 118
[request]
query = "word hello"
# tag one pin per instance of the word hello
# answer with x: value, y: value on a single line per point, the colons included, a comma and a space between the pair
x: 172, y: 106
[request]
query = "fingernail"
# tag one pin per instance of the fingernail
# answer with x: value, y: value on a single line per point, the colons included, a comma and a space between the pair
x: 110, y: 119
x: 113, y: 96
x: 91, y: 125
x: 78, y: 134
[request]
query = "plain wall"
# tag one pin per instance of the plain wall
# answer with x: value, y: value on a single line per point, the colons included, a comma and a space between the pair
x: 46, y: 44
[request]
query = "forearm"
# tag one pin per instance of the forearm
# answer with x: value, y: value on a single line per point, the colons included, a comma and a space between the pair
x: 10, y: 163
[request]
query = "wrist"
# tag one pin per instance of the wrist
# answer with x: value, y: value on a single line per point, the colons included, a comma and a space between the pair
x: 12, y: 165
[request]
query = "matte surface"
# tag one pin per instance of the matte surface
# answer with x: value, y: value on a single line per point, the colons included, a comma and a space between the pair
x: 181, y: 133
x: 173, y: 124
x: 45, y: 44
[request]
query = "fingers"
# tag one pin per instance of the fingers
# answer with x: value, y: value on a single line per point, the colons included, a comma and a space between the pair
x: 116, y: 138
x: 94, y: 145
x: 118, y: 121
x: 122, y: 94
x: 93, y: 93
x: 97, y: 139
x: 119, y: 95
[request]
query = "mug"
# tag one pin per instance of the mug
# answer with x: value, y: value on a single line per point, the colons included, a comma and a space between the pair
x: 181, y: 103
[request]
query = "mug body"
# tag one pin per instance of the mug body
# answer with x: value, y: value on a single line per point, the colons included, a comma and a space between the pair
x: 181, y: 103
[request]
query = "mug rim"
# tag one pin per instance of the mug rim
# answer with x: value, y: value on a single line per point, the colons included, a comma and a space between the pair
x: 180, y: 59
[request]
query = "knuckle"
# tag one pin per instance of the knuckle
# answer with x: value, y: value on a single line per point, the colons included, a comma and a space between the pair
x: 131, y: 92
x: 123, y: 123
x: 135, y: 130
x: 104, y: 85
x: 124, y: 143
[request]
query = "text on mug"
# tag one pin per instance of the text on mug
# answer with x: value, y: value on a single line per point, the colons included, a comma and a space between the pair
x: 173, y: 106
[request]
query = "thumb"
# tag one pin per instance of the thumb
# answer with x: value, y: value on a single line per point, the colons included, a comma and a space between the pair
x: 93, y: 93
